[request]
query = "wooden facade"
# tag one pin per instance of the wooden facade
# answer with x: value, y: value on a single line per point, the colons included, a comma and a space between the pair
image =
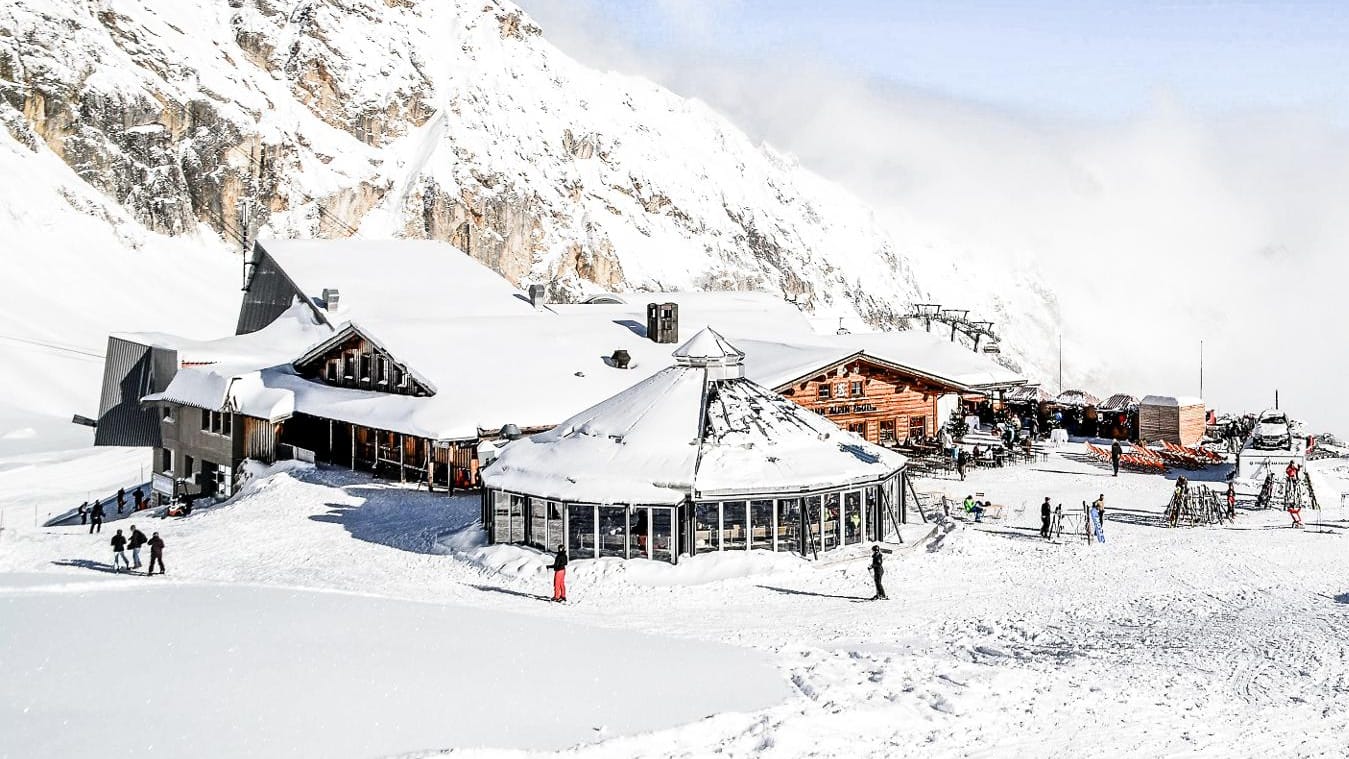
x: 1179, y: 424
x: 350, y: 359
x: 883, y: 403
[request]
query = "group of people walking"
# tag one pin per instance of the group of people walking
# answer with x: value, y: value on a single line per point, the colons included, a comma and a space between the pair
x: 137, y: 541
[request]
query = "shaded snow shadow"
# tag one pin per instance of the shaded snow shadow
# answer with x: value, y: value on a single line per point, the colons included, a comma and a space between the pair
x: 1020, y: 533
x: 509, y: 592
x: 791, y: 592
x: 1342, y: 598
x: 96, y: 566
x: 407, y: 520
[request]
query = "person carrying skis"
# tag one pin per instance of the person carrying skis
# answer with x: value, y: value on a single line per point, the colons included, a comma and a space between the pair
x: 156, y: 554
x: 559, y: 568
x: 119, y: 553
x: 137, y: 540
x: 1045, y: 515
x: 1115, y: 453
x: 1098, y: 514
x: 96, y: 518
x: 877, y: 572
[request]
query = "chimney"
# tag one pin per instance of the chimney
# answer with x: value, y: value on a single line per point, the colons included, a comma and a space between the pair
x: 621, y: 359
x: 331, y: 299
x: 662, y: 322
x: 536, y: 295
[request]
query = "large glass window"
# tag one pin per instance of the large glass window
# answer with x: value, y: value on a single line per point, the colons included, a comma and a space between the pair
x: 875, y: 512
x: 789, y: 524
x: 852, y: 517
x: 761, y: 524
x: 501, y: 517
x: 581, y: 529
x: 538, y: 522
x: 813, y: 520
x: 706, y: 519
x: 733, y: 526
x: 639, y: 530
x: 517, y: 520
x: 613, y: 531
x: 832, y: 522
x: 662, y: 534
x: 555, y: 537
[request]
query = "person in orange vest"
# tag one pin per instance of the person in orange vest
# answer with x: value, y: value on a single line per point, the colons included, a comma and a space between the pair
x: 559, y: 568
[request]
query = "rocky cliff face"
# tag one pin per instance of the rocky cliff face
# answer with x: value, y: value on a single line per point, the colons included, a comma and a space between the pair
x: 449, y: 120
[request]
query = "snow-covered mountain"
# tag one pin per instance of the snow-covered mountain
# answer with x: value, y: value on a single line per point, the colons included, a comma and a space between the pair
x: 198, y: 124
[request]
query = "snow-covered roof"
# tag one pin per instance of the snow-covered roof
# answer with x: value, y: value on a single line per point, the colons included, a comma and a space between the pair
x: 683, y: 432
x: 1076, y: 398
x: 389, y: 281
x: 1118, y: 402
x: 1034, y: 394
x: 775, y: 363
x: 1172, y: 400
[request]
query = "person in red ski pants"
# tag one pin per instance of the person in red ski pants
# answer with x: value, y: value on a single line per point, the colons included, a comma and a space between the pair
x: 559, y: 568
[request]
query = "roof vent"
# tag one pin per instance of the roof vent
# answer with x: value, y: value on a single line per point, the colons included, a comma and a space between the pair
x: 620, y: 359
x: 331, y: 299
x: 536, y: 295
x: 511, y: 432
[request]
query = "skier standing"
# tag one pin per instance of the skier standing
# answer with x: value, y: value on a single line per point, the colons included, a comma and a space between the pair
x: 1115, y: 453
x: 1098, y: 511
x: 137, y: 540
x: 156, y: 554
x: 559, y: 568
x: 1044, y: 518
x: 96, y: 518
x: 119, y: 553
x: 878, y: 571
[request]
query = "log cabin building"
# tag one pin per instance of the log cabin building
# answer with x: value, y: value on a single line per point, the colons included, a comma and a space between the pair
x: 406, y: 359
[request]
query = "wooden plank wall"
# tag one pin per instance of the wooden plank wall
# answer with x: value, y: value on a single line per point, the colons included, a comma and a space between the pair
x: 887, y: 398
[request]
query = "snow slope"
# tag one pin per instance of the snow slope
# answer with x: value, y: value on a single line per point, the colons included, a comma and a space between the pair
x: 1227, y: 641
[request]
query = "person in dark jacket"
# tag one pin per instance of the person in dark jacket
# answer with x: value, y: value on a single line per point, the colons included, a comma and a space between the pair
x: 121, y: 499
x: 877, y: 571
x: 1045, y: 513
x: 156, y: 554
x: 962, y: 460
x: 119, y: 553
x: 84, y: 513
x: 559, y: 568
x: 137, y: 540
x: 96, y: 518
x: 139, y: 497
x: 1115, y: 452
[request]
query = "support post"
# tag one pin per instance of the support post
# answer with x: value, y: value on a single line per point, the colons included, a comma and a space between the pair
x: 402, y: 459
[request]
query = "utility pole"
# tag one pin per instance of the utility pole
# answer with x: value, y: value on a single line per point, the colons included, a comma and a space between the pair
x: 1060, y: 363
x: 1201, y: 368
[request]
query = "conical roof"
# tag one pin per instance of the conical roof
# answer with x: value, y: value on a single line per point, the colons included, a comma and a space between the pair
x: 706, y: 348
x: 689, y: 430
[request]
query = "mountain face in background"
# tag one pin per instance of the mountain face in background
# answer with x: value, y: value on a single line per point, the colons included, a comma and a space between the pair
x: 158, y: 136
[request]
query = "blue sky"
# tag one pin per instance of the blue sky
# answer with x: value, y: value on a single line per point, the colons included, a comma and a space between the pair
x: 1086, y: 59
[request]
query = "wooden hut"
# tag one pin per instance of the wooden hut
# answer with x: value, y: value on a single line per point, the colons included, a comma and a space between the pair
x: 1177, y: 420
x: 1117, y: 417
x: 1077, y: 411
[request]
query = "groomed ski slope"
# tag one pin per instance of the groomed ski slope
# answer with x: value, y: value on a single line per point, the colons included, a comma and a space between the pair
x: 1225, y: 641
